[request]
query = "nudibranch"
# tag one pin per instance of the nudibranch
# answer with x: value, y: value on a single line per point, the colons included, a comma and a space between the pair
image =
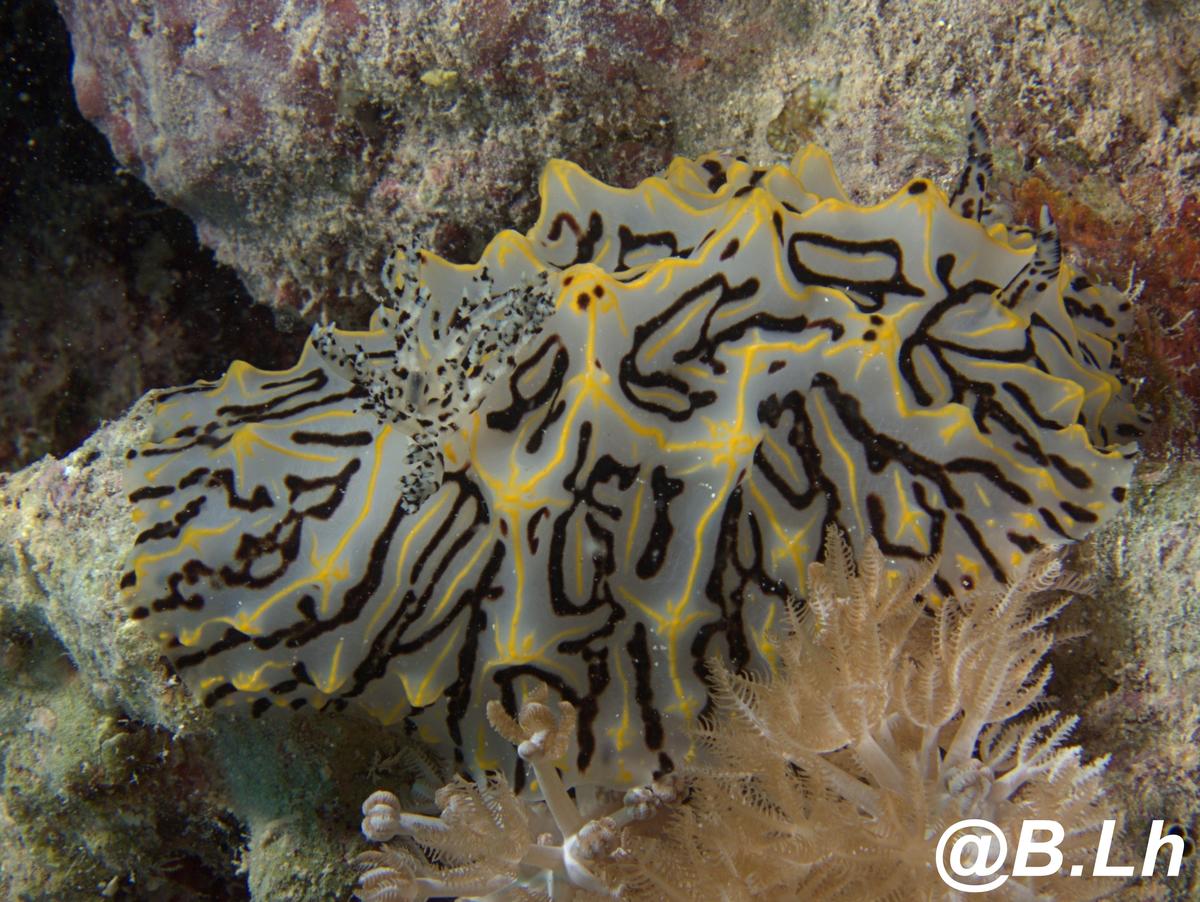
x: 607, y: 452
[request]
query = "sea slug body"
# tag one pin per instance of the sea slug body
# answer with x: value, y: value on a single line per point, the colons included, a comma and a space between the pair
x: 608, y: 451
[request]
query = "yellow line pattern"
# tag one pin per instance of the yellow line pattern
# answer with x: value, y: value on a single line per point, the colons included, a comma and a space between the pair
x: 737, y: 358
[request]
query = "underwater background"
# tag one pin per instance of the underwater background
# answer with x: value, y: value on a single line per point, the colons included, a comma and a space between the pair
x: 189, y: 183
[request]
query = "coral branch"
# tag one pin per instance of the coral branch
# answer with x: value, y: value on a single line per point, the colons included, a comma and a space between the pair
x: 884, y: 725
x: 483, y: 842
